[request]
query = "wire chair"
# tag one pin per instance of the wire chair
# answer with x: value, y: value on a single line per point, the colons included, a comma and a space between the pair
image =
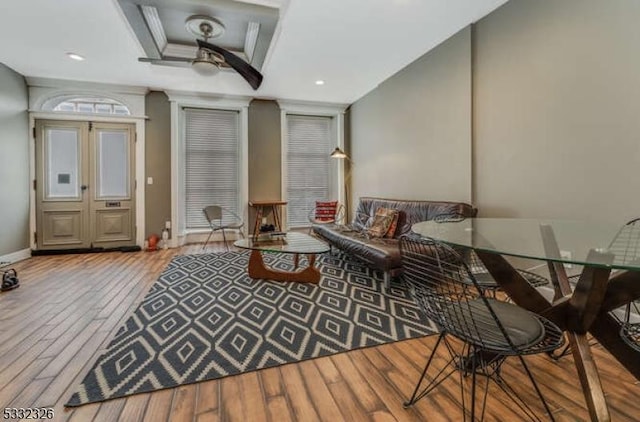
x: 221, y: 218
x: 626, y: 247
x: 490, y: 330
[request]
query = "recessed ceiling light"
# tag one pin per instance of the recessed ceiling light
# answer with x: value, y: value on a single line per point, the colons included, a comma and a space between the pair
x: 319, y: 82
x: 75, y: 56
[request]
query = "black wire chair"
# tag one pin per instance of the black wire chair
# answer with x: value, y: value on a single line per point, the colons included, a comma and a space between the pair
x: 491, y: 330
x: 626, y: 247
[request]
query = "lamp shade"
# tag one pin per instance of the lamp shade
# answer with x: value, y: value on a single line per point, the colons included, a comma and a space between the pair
x: 338, y: 153
x: 205, y: 67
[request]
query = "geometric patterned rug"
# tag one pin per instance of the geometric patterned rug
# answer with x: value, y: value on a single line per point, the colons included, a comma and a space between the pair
x: 204, y: 318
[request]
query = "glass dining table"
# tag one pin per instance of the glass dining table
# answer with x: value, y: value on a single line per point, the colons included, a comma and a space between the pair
x: 609, y: 254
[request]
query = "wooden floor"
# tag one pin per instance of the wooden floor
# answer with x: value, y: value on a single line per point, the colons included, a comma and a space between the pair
x: 53, y: 328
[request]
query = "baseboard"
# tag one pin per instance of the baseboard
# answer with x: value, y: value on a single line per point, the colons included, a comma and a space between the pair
x: 43, y: 252
x: 16, y: 256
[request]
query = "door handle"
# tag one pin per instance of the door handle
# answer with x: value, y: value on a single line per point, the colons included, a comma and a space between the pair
x: 84, y: 187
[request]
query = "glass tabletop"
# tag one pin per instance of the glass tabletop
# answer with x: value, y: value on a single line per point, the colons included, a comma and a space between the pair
x: 611, y: 245
x: 291, y: 242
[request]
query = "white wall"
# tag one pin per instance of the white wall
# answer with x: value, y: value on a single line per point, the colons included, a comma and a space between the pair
x: 411, y: 136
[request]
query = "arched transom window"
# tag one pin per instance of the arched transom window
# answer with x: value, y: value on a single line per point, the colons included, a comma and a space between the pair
x: 92, y: 105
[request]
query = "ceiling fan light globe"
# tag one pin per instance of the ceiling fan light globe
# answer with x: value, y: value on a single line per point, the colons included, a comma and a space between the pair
x: 205, y: 67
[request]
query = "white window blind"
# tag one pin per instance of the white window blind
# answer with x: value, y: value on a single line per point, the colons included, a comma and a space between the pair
x: 212, y: 167
x: 309, y: 175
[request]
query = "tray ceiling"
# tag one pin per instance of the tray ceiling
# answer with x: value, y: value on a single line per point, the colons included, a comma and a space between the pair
x: 352, y: 45
x: 159, y: 26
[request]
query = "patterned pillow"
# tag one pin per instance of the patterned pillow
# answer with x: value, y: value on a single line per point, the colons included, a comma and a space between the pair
x: 381, y: 222
x: 326, y: 211
x: 394, y: 225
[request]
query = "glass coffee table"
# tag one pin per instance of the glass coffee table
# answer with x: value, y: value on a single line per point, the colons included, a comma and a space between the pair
x: 293, y: 243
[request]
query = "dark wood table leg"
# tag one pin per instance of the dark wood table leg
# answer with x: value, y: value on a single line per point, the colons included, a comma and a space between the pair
x: 257, y: 269
x: 589, y: 377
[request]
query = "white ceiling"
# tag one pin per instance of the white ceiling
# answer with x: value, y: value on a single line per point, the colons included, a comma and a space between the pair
x: 353, y: 45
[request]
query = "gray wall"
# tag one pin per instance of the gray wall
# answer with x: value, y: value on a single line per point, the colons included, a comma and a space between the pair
x: 411, y: 136
x: 557, y: 121
x: 264, y: 157
x: 157, y: 162
x: 264, y: 154
x: 14, y: 162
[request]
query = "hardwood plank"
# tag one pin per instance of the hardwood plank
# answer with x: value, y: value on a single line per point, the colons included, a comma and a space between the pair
x: 349, y: 405
x: 302, y: 407
x: 251, y: 397
x: 110, y: 411
x: 184, y: 403
x: 391, y: 397
x: 271, y: 382
x: 330, y: 373
x: 62, y: 298
x: 64, y: 356
x: 12, y: 387
x: 367, y: 398
x: 231, y: 409
x: 319, y: 392
x: 208, y: 417
x: 279, y: 409
x: 22, y: 361
x: 208, y: 397
x: 67, y: 380
x: 30, y: 394
x: 159, y: 406
x: 134, y: 408
x: 84, y: 413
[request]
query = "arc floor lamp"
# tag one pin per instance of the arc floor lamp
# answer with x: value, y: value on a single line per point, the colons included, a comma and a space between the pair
x: 341, y: 155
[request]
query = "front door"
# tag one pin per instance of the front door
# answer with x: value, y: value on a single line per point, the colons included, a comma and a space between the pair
x: 85, y: 187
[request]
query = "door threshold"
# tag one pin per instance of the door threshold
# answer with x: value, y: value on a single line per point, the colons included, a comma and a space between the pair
x: 84, y: 250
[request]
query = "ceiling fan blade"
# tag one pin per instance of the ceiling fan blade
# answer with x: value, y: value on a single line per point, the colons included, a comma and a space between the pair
x: 168, y: 61
x: 243, y: 68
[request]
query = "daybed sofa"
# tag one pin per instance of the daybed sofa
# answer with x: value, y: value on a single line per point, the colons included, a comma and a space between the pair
x: 383, y: 253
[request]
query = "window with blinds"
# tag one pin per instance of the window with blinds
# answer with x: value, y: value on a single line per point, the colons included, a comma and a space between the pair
x: 212, y: 167
x: 309, y: 175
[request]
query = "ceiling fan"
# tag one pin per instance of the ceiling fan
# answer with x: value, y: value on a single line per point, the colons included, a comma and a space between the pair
x: 209, y: 57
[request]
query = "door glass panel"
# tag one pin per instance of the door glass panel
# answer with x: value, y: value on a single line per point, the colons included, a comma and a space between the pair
x: 112, y: 164
x: 62, y: 152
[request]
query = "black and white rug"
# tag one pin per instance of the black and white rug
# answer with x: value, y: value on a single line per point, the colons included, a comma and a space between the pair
x: 204, y: 318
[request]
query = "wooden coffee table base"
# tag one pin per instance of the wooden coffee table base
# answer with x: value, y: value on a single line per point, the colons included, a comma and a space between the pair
x: 257, y: 269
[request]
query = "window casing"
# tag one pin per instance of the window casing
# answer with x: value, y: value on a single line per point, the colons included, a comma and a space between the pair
x: 311, y: 173
x: 212, y: 163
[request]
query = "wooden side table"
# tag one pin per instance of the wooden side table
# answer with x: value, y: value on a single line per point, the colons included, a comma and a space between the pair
x: 275, y: 209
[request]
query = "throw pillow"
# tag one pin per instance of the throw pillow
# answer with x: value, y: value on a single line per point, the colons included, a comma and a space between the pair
x: 326, y: 211
x: 381, y: 222
x: 393, y: 226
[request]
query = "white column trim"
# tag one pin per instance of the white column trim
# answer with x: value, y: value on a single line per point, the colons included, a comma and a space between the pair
x: 284, y: 177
